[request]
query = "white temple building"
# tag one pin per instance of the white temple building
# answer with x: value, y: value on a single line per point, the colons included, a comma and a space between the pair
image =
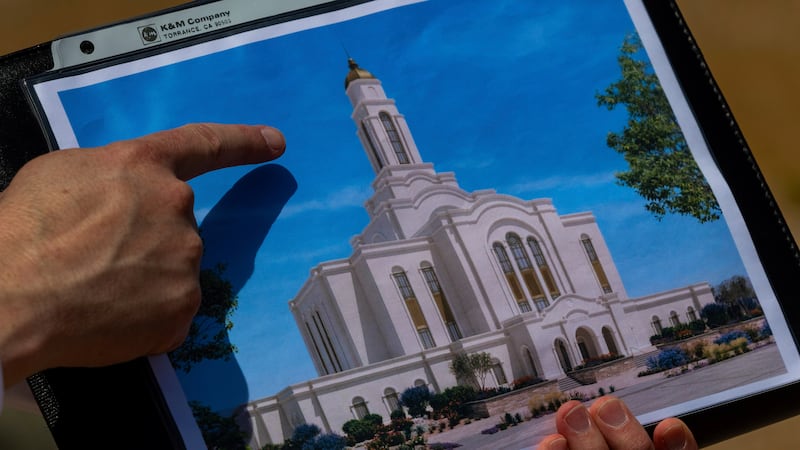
x: 438, y: 271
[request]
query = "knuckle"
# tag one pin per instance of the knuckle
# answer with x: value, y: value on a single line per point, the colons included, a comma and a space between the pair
x: 180, y: 195
x: 209, y: 138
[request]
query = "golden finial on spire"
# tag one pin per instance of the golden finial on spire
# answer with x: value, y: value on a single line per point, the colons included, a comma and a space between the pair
x: 356, y: 73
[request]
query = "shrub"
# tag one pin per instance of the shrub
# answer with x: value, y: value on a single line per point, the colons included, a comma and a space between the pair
x: 452, y: 401
x: 752, y: 334
x: 697, y: 350
x: 740, y: 345
x: 359, y: 430
x: 577, y: 395
x: 443, y: 445
x: 305, y: 432
x: 374, y: 419
x: 397, y: 414
x: 697, y: 326
x: 715, y: 314
x: 416, y: 400
x: 539, y: 404
x: 730, y: 336
x: 667, y: 359
x: 766, y: 331
x: 601, y: 392
x: 491, y: 430
x: 717, y: 352
x: 328, y: 441
x: 525, y: 381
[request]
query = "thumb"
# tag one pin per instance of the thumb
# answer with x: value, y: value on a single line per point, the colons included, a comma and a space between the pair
x: 195, y: 149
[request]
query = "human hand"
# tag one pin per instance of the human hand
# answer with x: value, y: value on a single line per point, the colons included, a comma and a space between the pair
x: 609, y: 424
x: 99, y: 246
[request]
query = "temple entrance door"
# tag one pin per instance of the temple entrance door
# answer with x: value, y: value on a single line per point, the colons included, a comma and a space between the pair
x: 563, y: 356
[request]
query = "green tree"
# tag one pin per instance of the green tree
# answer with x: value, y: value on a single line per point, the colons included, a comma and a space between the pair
x: 733, y: 290
x: 208, y: 334
x: 715, y: 314
x: 219, y: 432
x: 472, y: 368
x: 737, y: 294
x: 661, y: 167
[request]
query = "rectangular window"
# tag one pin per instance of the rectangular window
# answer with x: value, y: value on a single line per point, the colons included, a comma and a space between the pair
x: 524, y: 306
x: 316, y: 348
x: 404, y: 285
x: 596, y: 266
x: 453, y: 331
x: 426, y: 337
x: 441, y: 303
x: 544, y: 269
x: 392, y: 402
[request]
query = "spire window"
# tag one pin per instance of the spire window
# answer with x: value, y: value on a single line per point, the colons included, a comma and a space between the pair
x: 394, y: 138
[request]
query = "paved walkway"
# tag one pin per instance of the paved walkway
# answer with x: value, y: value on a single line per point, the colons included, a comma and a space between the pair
x: 641, y: 394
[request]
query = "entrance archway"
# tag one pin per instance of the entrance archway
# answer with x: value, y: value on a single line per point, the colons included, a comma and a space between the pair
x: 563, y: 355
x: 608, y: 336
x: 586, y: 343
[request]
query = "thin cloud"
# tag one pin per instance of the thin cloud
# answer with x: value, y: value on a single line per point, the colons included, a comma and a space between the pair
x: 313, y: 255
x: 347, y: 197
x: 563, y: 182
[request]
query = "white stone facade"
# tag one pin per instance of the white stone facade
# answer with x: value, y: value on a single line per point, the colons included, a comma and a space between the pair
x: 427, y: 279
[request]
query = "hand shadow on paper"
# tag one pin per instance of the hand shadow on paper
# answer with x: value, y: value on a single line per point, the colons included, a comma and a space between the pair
x: 232, y: 233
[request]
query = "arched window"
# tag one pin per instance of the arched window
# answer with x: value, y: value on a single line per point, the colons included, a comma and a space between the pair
x: 673, y: 319
x: 441, y: 302
x: 691, y: 314
x: 526, y: 269
x: 420, y: 382
x: 391, y: 399
x: 544, y: 269
x: 417, y: 317
x: 499, y: 373
x: 394, y: 138
x: 656, y: 322
x: 531, y: 362
x: 511, y: 276
x: 359, y: 408
x: 371, y: 145
x: 595, y: 262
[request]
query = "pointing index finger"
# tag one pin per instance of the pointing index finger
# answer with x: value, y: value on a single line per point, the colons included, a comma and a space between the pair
x: 195, y: 149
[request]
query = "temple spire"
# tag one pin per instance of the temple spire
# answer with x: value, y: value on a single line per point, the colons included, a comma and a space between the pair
x: 381, y: 128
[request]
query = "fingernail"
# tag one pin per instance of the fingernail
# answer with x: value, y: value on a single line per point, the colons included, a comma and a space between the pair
x: 578, y: 419
x: 674, y: 438
x: 274, y: 139
x: 558, y: 444
x: 612, y: 413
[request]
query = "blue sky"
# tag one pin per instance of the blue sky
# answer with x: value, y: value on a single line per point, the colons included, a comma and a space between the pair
x: 501, y: 93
